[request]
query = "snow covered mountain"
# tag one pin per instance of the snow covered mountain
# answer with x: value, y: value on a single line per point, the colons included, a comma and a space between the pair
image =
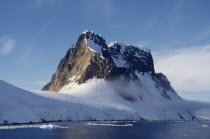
x: 126, y: 65
x: 97, y: 82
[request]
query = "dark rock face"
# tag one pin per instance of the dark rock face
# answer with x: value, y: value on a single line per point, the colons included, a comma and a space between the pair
x: 90, y: 57
x: 163, y: 81
x: 135, y: 59
x: 132, y: 58
x: 97, y: 39
x: 81, y: 63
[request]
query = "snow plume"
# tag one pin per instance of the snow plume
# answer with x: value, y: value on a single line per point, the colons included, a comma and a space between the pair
x: 199, y: 109
x: 128, y: 90
x: 132, y: 92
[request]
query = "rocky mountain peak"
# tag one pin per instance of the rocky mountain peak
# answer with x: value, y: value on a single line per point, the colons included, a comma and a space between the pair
x: 132, y: 57
x: 96, y: 38
x: 90, y: 57
x: 95, y: 43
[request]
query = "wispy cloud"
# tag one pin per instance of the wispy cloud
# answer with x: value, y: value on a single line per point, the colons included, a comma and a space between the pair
x: 188, y: 69
x: 6, y: 45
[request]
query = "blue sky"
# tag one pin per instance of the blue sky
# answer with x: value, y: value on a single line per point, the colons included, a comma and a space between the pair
x: 35, y: 35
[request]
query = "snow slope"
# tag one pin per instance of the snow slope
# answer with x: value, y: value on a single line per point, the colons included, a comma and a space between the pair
x: 93, y: 46
x: 95, y: 100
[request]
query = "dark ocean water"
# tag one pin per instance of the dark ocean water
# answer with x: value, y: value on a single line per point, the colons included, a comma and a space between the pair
x: 112, y: 130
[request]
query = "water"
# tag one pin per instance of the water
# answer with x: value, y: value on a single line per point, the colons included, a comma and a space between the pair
x: 113, y: 130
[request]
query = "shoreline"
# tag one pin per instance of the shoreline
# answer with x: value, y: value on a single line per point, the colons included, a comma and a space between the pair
x: 60, y: 121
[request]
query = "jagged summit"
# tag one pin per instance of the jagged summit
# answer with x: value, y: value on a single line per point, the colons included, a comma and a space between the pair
x: 90, y: 57
x: 121, y: 45
x: 95, y: 43
x: 132, y: 57
x: 94, y: 37
x: 87, y: 31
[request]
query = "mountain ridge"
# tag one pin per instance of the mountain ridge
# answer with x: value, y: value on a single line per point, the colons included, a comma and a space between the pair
x: 90, y: 57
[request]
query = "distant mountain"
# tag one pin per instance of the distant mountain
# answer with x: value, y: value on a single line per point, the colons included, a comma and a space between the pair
x: 91, y: 58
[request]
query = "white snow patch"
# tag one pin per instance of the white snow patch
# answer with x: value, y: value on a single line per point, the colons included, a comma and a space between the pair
x: 51, y: 126
x: 110, y: 124
x: 118, y: 59
x: 84, y: 32
x: 45, y: 126
x: 204, y: 125
x: 68, y: 86
x: 145, y: 49
x: 119, y: 62
x: 94, y: 47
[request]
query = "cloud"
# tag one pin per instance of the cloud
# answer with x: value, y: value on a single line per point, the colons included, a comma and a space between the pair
x: 6, y: 45
x: 188, y: 69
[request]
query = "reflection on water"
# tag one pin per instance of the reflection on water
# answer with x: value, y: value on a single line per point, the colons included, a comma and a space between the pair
x: 115, y: 129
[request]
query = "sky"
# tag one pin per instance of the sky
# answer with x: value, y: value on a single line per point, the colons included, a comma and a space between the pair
x: 35, y: 35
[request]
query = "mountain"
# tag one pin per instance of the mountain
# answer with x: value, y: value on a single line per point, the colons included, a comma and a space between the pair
x: 97, y: 81
x: 91, y: 58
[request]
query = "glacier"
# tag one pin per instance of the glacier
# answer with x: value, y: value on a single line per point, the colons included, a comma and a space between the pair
x: 95, y: 100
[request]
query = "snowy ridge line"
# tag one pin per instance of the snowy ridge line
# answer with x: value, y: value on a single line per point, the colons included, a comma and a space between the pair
x: 97, y: 48
x: 92, y: 32
x: 146, y: 49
